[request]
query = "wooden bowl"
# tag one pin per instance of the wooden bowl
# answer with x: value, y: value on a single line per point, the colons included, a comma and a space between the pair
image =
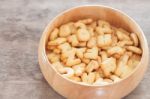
x: 74, y: 90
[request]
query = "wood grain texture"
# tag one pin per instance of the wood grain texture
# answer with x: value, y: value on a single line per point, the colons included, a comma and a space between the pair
x: 22, y: 23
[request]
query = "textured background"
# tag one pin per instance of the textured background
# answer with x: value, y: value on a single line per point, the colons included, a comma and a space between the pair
x: 21, y: 25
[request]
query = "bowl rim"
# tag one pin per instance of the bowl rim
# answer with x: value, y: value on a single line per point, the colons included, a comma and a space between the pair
x: 146, y: 49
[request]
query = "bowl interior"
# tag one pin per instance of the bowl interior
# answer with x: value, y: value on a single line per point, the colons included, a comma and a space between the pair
x: 113, y: 16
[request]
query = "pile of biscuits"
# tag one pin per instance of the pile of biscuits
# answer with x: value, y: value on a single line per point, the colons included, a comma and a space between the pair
x: 93, y: 52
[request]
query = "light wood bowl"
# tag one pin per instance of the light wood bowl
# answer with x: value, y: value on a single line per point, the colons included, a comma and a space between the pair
x: 74, y: 90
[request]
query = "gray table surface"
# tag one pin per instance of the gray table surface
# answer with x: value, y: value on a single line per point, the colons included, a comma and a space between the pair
x: 21, y: 25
